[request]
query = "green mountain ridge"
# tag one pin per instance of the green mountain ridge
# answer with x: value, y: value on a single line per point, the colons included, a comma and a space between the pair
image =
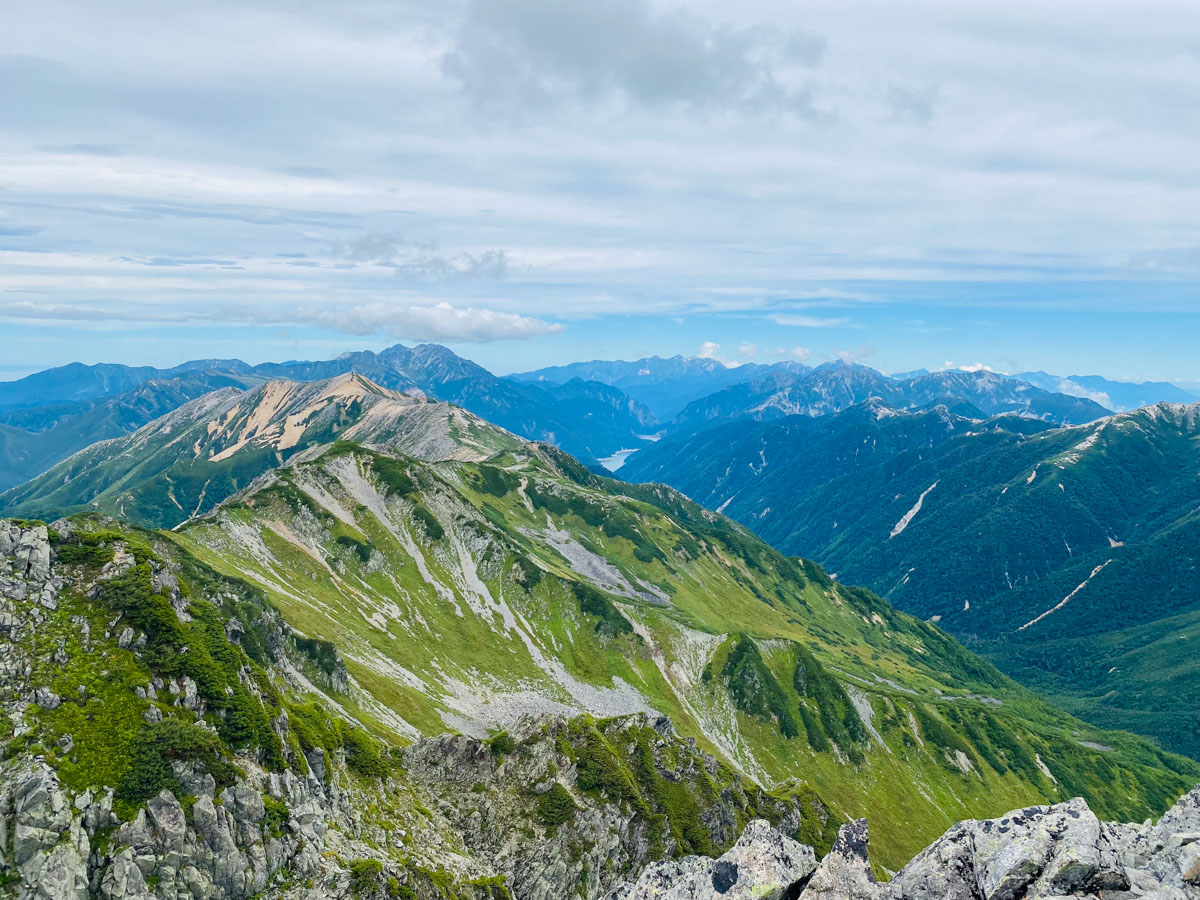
x: 153, y: 710
x: 187, y: 461
x: 470, y: 594
x: 495, y: 580
x: 1067, y: 556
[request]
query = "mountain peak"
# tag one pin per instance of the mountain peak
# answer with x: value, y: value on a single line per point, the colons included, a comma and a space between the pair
x: 842, y: 365
x: 352, y: 386
x: 184, y: 463
x: 1185, y: 416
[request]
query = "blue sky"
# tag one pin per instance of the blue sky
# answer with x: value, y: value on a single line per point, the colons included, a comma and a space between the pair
x: 537, y: 181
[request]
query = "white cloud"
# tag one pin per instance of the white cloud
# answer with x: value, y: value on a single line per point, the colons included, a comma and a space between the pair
x: 913, y: 103
x: 437, y: 322
x: 967, y: 367
x: 1074, y: 389
x: 709, y: 350
x: 799, y: 354
x: 402, y: 320
x: 419, y: 260
x: 748, y: 349
x: 526, y: 58
x: 809, y: 321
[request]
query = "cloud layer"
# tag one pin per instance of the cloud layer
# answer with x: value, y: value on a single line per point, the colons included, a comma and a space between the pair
x: 527, y: 58
x: 832, y: 173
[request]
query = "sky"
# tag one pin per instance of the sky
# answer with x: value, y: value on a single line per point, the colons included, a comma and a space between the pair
x: 532, y: 182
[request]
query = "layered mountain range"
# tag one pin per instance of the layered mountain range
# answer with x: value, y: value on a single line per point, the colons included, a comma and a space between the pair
x: 664, y: 386
x: 435, y: 573
x: 595, y: 411
x: 49, y: 415
x: 835, y: 386
x: 1067, y: 555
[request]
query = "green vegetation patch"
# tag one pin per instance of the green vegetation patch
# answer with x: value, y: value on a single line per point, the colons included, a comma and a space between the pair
x: 754, y: 688
x: 495, y: 481
x: 157, y: 745
x: 501, y: 743
x: 839, y: 720
x: 315, y: 728
x: 593, y: 602
x: 433, y: 528
x: 555, y: 807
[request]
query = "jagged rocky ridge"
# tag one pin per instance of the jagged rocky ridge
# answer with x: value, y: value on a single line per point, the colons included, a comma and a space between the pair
x: 465, y: 594
x: 1037, y: 853
x: 166, y: 734
x: 136, y: 766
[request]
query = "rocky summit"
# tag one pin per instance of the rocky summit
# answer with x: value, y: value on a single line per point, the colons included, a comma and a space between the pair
x: 1038, y: 853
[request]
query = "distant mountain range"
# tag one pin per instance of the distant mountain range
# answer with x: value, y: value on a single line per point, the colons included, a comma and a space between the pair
x: 593, y: 410
x: 1119, y: 396
x: 837, y: 385
x: 49, y: 415
x: 689, y: 394
x: 1070, y: 556
x: 442, y: 574
x: 664, y: 386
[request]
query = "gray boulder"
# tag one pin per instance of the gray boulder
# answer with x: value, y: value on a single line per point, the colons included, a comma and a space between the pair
x: 32, y: 554
x: 763, y: 865
x: 1046, y: 852
x: 943, y: 870
x: 845, y: 873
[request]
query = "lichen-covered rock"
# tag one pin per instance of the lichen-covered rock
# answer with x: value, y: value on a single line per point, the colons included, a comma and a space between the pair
x: 1044, y: 851
x: 943, y: 870
x: 50, y: 848
x: 1039, y: 853
x: 762, y: 865
x: 845, y: 872
x: 1058, y: 851
x: 32, y: 554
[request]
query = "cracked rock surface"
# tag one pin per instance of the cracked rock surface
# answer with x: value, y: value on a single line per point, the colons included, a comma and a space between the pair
x: 1037, y: 853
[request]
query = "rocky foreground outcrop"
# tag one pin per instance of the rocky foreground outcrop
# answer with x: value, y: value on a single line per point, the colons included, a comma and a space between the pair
x: 1038, y: 853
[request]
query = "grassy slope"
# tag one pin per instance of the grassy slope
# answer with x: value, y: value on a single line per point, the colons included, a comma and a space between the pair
x: 1014, y: 525
x: 260, y: 710
x: 443, y: 587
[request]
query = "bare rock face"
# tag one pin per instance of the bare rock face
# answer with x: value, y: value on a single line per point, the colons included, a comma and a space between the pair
x: 1170, y: 850
x: 845, y: 873
x: 1057, y: 851
x: 1043, y: 851
x: 763, y: 865
x: 1038, y: 853
x: 50, y: 847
